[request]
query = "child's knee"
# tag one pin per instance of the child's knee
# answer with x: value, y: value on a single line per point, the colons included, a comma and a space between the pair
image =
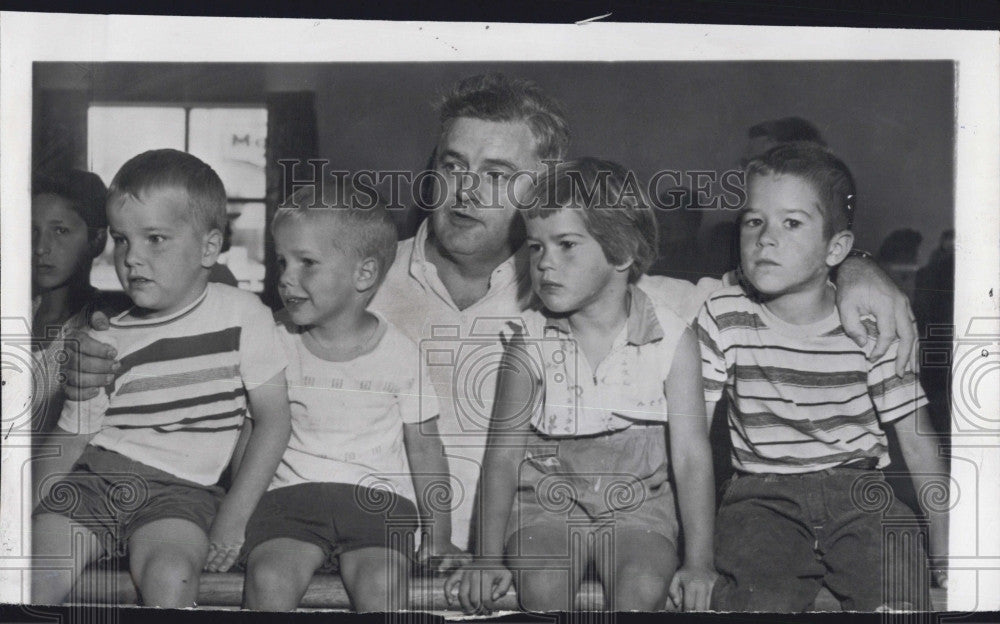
x: 639, y: 589
x: 544, y: 590
x: 266, y: 577
x: 171, y: 569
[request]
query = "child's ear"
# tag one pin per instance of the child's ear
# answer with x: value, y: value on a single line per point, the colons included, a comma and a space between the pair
x: 366, y: 274
x: 623, y: 267
x: 98, y: 240
x: 211, y: 248
x: 838, y: 247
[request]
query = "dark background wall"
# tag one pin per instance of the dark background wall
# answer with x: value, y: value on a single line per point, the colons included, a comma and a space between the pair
x: 892, y: 122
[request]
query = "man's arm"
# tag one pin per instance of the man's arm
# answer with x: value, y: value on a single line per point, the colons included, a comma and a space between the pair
x: 863, y: 288
x: 429, y: 468
x: 90, y: 364
x: 267, y: 443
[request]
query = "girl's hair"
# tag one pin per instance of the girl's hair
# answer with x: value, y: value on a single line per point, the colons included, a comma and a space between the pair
x: 84, y: 191
x: 364, y: 228
x: 610, y: 201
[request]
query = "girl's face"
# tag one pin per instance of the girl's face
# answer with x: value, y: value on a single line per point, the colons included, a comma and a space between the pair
x: 60, y: 243
x: 569, y: 270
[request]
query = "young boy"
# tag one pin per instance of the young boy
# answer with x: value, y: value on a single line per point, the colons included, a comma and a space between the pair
x: 343, y: 495
x: 146, y: 453
x: 806, y: 408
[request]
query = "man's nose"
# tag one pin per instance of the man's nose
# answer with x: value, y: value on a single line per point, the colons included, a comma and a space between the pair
x: 466, y: 186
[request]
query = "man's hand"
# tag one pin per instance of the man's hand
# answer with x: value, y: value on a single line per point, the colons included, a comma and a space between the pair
x: 477, y: 589
x: 224, y: 541
x: 441, y: 560
x: 863, y: 288
x: 691, y: 588
x: 90, y: 364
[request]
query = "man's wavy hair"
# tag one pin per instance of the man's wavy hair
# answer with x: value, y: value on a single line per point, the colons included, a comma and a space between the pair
x: 496, y: 97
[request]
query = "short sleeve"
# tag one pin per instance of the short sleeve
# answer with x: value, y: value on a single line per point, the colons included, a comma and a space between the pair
x: 262, y: 356
x: 713, y: 359
x: 894, y: 397
x: 84, y: 417
x: 417, y: 398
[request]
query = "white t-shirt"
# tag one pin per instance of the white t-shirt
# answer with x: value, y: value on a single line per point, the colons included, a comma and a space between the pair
x: 347, y: 417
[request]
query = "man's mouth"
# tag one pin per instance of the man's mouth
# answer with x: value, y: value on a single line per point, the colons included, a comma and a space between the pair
x: 44, y: 268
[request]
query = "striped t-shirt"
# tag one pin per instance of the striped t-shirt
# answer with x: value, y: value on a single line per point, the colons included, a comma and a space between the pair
x: 179, y: 399
x: 802, y: 398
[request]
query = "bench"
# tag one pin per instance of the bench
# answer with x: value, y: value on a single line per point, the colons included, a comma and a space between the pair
x: 108, y: 586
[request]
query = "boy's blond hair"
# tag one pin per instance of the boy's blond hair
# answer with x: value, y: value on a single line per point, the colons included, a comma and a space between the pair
x: 161, y: 168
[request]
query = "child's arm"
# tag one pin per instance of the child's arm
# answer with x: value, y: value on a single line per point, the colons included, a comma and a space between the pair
x: 691, y: 457
x: 267, y: 443
x: 56, y: 456
x: 927, y: 469
x: 480, y: 585
x: 429, y: 467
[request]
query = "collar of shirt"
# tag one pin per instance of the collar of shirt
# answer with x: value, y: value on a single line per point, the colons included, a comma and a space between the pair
x: 642, y: 326
x: 510, y: 271
x: 123, y: 319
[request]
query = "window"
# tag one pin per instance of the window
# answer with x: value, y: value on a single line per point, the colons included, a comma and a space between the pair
x: 230, y: 139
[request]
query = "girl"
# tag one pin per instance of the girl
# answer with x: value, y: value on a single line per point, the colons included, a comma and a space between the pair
x: 576, y: 468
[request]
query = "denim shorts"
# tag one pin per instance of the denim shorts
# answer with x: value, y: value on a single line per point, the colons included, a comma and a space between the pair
x: 114, y: 495
x: 780, y: 538
x: 614, y: 480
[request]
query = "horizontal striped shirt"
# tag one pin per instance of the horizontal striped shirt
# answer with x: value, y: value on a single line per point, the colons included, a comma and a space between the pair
x: 179, y: 399
x: 802, y: 398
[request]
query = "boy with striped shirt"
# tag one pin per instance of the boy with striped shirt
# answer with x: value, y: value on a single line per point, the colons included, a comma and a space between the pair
x: 806, y: 408
x: 137, y: 467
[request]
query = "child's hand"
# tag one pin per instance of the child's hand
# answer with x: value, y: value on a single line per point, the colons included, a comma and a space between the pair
x: 224, y: 541
x: 477, y: 588
x: 691, y: 588
x: 441, y: 559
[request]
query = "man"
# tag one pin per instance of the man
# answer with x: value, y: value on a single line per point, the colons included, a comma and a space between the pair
x: 455, y: 283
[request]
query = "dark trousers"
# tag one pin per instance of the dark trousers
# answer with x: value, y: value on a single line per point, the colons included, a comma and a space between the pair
x: 780, y: 538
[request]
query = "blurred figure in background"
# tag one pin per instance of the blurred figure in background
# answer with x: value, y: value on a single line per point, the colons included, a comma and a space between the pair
x: 679, y: 254
x: 68, y: 230
x: 933, y: 305
x: 898, y: 257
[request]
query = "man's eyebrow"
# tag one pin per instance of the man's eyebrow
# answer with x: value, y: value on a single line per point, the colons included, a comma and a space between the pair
x: 451, y: 154
x: 500, y: 162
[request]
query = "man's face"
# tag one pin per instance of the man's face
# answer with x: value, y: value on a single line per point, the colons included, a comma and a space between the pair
x: 161, y: 256
x: 479, y: 160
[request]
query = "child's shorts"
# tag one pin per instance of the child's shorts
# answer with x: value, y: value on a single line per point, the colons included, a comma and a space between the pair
x: 616, y: 480
x: 114, y: 495
x: 337, y: 517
